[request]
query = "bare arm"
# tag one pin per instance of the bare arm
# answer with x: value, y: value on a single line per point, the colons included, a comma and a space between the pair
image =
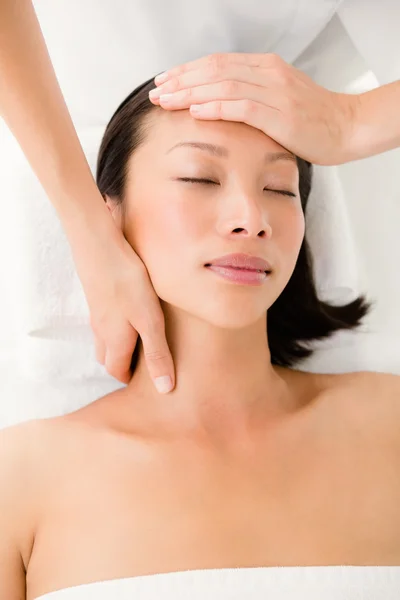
x: 34, y: 109
x: 119, y: 292
x: 377, y: 122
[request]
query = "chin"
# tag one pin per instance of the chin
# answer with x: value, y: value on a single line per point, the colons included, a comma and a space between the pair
x: 230, y: 316
x: 225, y: 314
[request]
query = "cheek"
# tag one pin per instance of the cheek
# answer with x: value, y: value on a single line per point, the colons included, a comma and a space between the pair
x: 293, y: 225
x: 164, y: 235
x: 290, y: 233
x: 178, y: 220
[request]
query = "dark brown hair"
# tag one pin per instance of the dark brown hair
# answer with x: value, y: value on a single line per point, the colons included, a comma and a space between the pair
x: 298, y: 316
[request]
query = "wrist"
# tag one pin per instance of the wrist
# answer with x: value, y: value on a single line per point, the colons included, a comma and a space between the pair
x: 85, y: 211
x: 375, y: 126
x: 353, y: 139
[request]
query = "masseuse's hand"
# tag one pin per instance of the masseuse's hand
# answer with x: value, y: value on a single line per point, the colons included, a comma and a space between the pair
x: 265, y: 92
x: 122, y: 302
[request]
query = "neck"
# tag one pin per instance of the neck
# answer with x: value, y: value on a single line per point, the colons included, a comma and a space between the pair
x: 225, y: 382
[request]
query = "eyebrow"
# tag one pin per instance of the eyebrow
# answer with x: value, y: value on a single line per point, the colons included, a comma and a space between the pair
x: 223, y: 152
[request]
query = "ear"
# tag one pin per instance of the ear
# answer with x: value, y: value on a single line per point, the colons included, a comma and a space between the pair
x: 115, y: 209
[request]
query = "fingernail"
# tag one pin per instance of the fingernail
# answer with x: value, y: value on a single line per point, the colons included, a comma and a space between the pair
x: 163, y: 384
x: 196, y: 108
x: 161, y: 77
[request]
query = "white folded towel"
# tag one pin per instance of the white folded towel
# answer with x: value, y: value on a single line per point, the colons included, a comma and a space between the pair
x: 54, y: 337
x: 330, y: 236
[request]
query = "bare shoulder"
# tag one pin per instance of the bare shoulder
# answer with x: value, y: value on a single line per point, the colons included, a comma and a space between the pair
x: 370, y: 380
x: 23, y: 444
x: 384, y: 390
x: 36, y: 446
x: 29, y: 451
x: 374, y: 388
x: 373, y: 400
x: 23, y: 439
x: 17, y: 483
x: 362, y: 385
x: 16, y: 442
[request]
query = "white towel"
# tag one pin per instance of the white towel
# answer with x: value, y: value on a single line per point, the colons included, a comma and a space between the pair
x: 54, y: 337
x: 336, y: 582
x: 331, y: 239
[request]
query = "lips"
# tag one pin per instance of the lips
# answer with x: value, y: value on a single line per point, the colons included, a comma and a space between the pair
x: 241, y: 261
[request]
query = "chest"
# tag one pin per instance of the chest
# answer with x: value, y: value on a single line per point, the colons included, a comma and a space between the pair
x: 322, y: 498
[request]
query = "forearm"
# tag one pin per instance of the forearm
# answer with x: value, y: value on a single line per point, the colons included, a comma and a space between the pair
x: 376, y: 126
x: 34, y: 109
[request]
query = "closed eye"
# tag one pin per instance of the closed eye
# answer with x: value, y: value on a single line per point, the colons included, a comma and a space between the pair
x: 209, y: 181
x: 192, y: 180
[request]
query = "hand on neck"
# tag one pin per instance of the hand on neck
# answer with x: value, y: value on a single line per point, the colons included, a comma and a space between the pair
x: 225, y: 382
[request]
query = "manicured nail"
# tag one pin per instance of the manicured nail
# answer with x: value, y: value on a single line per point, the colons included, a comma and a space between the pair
x: 163, y: 384
x: 196, y: 108
x: 161, y: 77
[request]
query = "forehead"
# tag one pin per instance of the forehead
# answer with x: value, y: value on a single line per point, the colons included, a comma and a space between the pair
x: 167, y: 128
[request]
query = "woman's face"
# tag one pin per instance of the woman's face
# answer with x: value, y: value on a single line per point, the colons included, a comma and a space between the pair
x: 176, y: 227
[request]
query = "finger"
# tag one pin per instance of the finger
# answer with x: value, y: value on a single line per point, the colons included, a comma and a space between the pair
x: 225, y: 90
x: 220, y: 61
x: 119, y: 350
x: 157, y: 353
x: 232, y: 75
x: 100, y: 350
x: 260, y: 116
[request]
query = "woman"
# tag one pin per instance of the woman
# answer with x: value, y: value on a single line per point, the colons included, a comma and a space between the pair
x: 116, y: 297
x: 248, y: 462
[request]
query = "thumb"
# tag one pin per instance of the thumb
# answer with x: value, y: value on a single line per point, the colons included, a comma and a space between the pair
x: 158, y: 359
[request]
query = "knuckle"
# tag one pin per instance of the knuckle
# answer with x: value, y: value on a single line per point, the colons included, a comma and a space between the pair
x: 119, y: 374
x: 218, y: 108
x: 115, y: 361
x: 293, y: 106
x: 112, y: 371
x: 185, y: 68
x: 117, y: 353
x: 124, y: 346
x: 249, y: 108
x: 154, y: 355
x: 282, y: 76
x: 274, y: 59
x: 230, y: 88
x: 216, y: 63
x: 189, y: 93
x: 176, y: 83
x: 211, y: 72
x: 151, y: 323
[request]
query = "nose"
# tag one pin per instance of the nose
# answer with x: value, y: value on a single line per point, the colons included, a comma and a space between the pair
x: 247, y: 217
